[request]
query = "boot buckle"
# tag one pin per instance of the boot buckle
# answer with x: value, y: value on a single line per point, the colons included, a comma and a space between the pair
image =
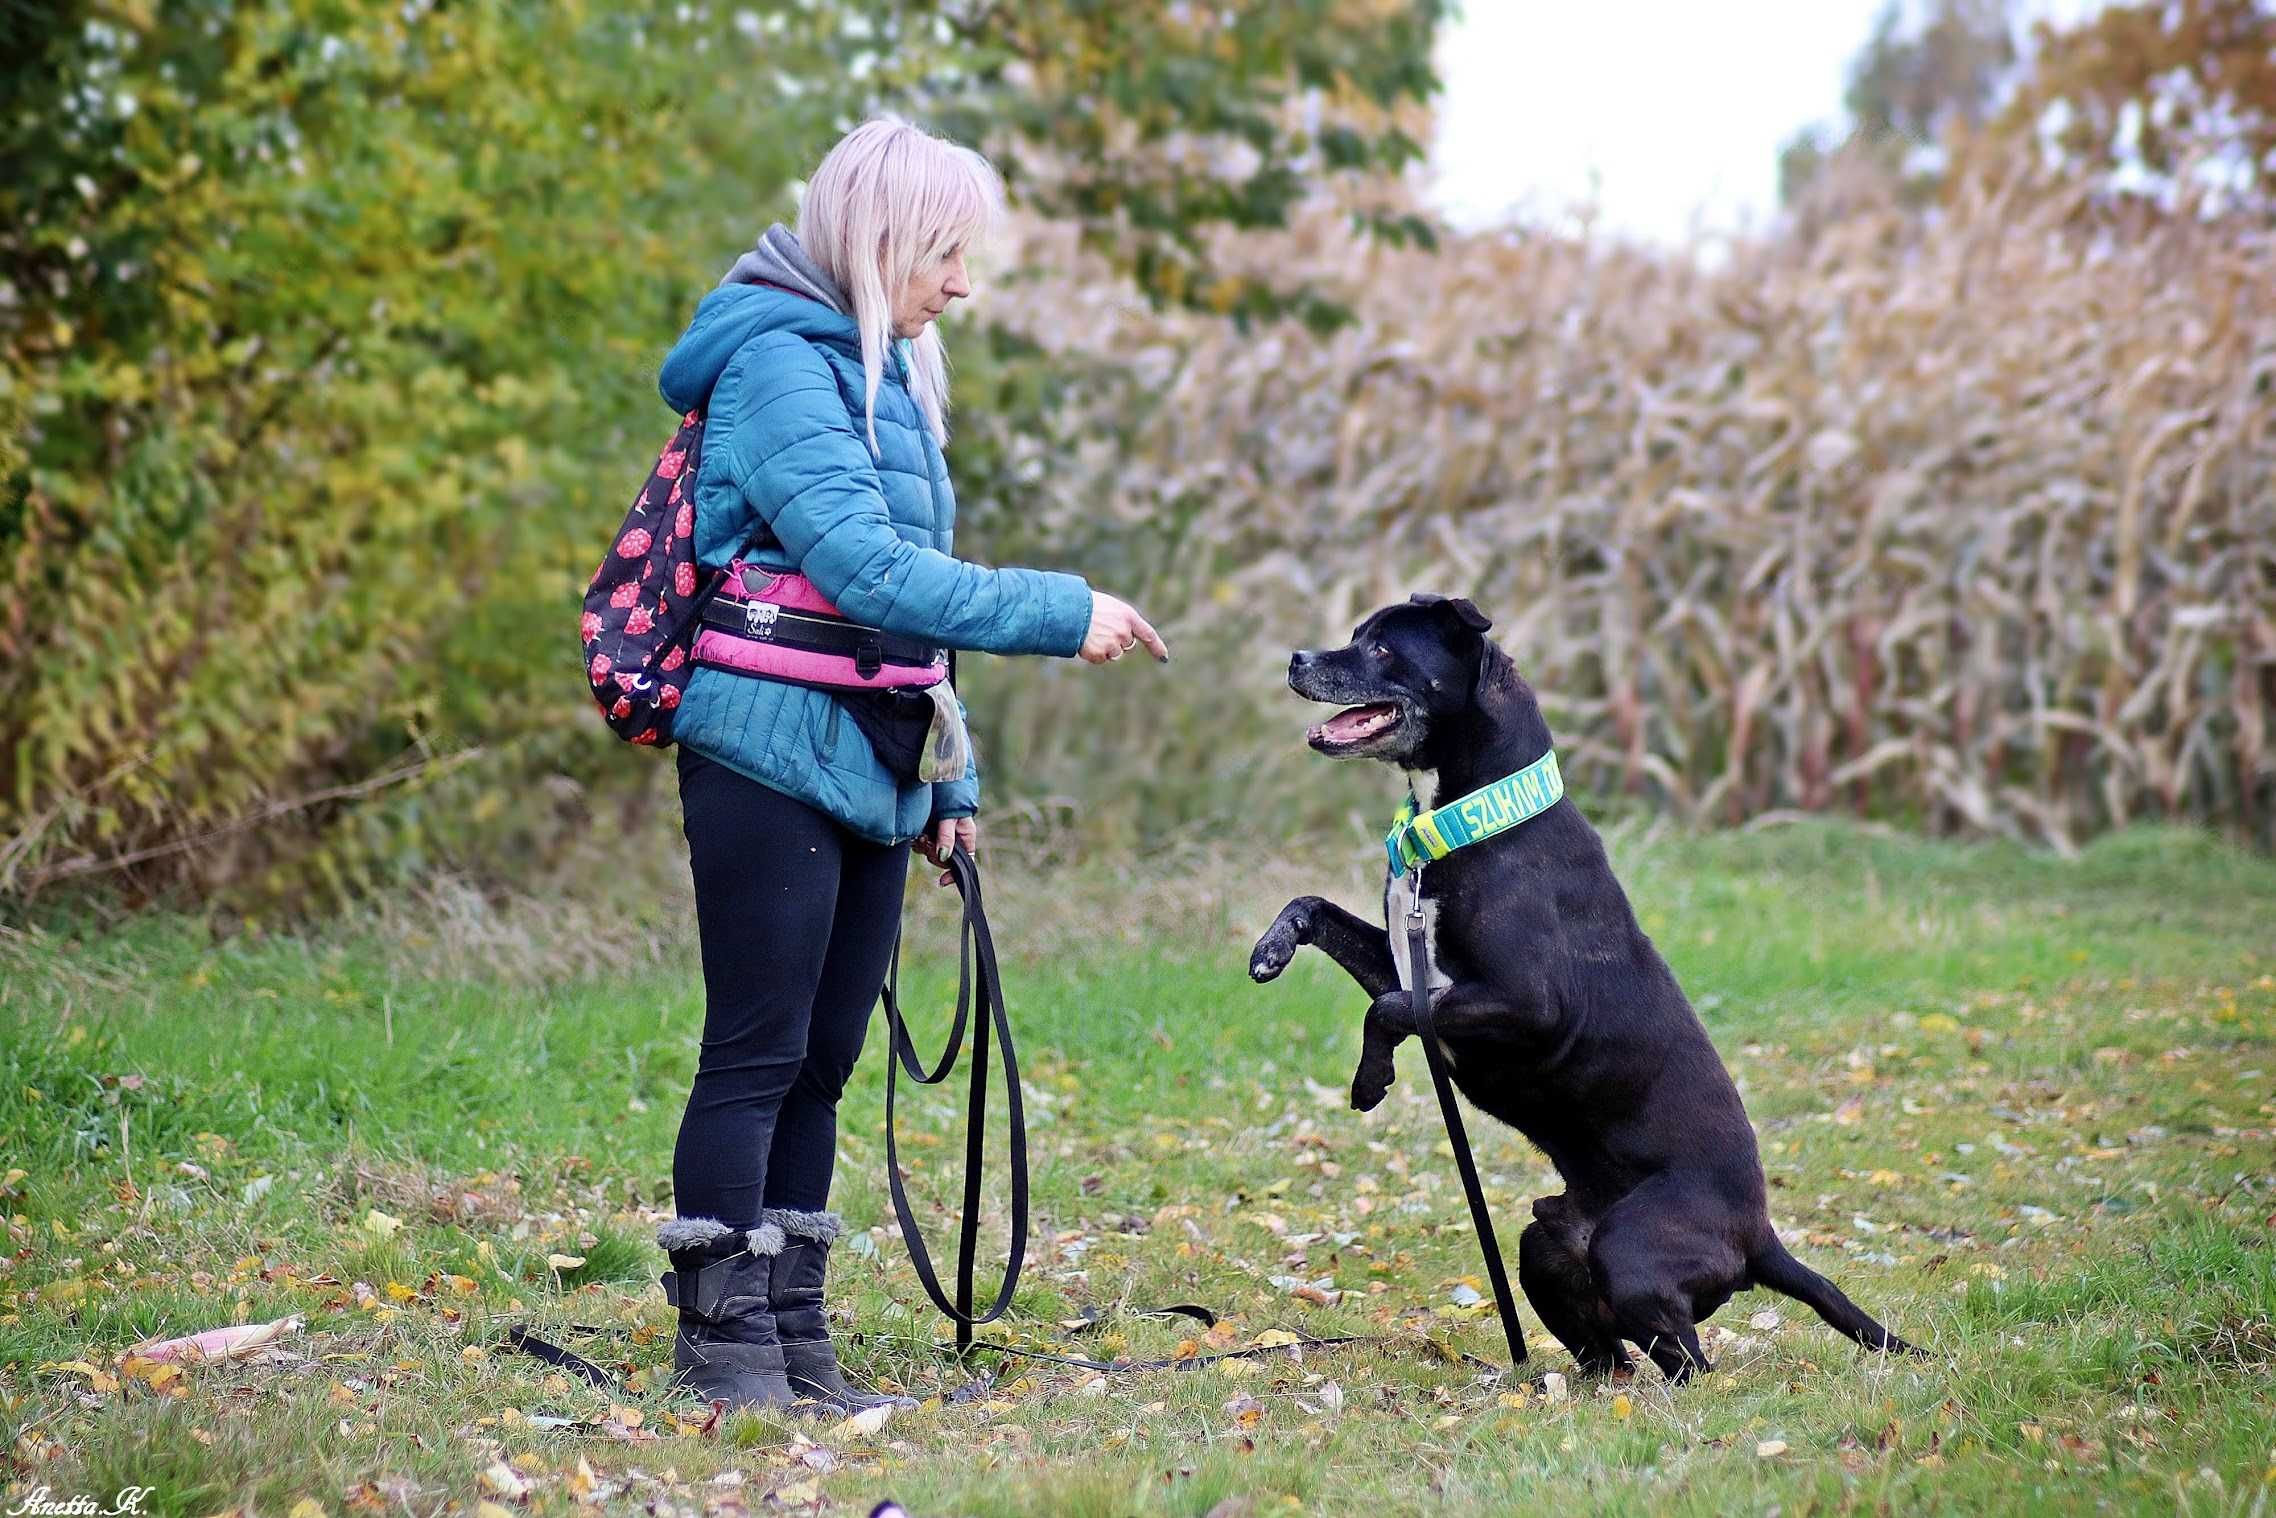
x: 698, y: 1292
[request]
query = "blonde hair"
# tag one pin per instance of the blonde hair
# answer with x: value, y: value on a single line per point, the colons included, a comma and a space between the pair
x: 888, y: 200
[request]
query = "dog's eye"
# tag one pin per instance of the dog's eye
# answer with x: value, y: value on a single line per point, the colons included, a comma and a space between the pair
x: 1379, y: 651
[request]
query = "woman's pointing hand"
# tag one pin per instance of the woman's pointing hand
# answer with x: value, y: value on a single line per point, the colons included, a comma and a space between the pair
x: 1116, y: 628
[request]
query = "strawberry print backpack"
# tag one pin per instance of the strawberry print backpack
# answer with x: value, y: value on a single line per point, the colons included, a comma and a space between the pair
x: 643, y: 609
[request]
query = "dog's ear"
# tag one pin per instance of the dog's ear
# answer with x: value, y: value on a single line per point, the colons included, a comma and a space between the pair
x: 1460, y: 608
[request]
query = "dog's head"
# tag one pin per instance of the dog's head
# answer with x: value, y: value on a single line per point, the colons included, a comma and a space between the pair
x: 1408, y: 678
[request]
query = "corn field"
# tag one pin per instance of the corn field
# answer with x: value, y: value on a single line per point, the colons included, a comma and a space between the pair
x: 1965, y: 521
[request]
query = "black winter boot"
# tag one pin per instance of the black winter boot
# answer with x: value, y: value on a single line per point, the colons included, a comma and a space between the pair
x: 800, y: 1318
x: 727, y: 1347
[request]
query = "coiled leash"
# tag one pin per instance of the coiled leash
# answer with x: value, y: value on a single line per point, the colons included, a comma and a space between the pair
x: 976, y: 952
x: 977, y: 969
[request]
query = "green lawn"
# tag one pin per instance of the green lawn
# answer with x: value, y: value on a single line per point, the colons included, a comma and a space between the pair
x: 2019, y: 1108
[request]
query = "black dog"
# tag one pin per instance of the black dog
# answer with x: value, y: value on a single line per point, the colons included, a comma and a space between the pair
x: 1557, y: 1016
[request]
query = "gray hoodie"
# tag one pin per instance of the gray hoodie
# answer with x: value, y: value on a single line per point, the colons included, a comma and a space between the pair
x: 777, y: 259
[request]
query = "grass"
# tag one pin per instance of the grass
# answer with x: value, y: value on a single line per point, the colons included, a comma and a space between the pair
x: 2020, y: 1108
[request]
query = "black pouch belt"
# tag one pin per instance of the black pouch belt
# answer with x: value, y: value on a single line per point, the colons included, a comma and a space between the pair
x: 871, y: 648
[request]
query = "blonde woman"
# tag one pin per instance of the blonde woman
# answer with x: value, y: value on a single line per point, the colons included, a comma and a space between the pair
x: 825, y: 393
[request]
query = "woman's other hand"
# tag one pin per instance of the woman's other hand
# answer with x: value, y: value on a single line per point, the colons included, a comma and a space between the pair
x: 1116, y: 628
x: 941, y: 840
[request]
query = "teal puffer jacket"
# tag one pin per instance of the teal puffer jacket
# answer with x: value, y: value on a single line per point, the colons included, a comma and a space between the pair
x: 787, y: 479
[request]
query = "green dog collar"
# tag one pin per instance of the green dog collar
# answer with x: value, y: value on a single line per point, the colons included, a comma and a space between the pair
x: 1417, y: 837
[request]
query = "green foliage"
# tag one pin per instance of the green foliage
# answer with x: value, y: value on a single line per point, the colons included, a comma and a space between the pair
x: 1149, y: 125
x: 329, y: 336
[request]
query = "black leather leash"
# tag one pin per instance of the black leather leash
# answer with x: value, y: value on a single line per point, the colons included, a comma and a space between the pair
x: 1426, y: 1029
x: 976, y: 953
x: 977, y: 969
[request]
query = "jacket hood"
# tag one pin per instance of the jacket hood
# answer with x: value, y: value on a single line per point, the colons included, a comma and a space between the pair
x: 735, y: 314
x: 779, y: 258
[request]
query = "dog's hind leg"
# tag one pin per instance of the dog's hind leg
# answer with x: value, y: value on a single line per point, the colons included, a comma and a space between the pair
x: 1553, y: 1269
x: 1656, y: 1263
x: 1362, y: 948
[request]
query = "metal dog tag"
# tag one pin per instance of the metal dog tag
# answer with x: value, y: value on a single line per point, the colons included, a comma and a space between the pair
x: 1398, y: 901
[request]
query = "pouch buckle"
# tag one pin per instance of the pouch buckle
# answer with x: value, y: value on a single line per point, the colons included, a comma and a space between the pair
x: 869, y: 658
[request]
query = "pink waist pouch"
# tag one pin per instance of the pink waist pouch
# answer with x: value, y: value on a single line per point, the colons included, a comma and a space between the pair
x: 775, y: 624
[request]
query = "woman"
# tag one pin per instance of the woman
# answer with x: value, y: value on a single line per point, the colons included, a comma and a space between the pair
x: 825, y: 392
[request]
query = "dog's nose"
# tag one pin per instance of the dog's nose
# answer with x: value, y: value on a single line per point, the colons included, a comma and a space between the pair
x: 1298, y: 662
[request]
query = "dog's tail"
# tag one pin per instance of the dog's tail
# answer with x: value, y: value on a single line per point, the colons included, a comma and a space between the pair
x: 1773, y: 1267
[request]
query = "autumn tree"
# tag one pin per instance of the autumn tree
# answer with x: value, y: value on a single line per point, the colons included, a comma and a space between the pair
x: 2140, y: 95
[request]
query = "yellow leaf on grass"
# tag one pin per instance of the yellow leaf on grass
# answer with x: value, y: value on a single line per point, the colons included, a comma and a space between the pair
x: 487, y: 1509
x: 798, y: 1493
x: 381, y: 1225
x: 499, y: 1479
x: 1849, y: 1112
x: 400, y: 1292
x: 564, y: 1261
x: 97, y: 1378
x: 1621, y: 1406
x: 1274, y: 1338
x: 309, y: 1507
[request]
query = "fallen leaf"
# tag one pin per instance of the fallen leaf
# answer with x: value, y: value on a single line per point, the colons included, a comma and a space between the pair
x: 1553, y: 1387
x: 864, y: 1423
x: 1848, y: 1114
x: 1769, y: 1449
x: 564, y: 1261
x: 501, y: 1480
x: 1765, y: 1320
x: 97, y: 1378
x: 1622, y: 1407
x: 309, y: 1507
x: 380, y: 1224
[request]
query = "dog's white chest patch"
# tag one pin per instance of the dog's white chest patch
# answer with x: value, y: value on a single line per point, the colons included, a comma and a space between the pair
x: 1398, y: 901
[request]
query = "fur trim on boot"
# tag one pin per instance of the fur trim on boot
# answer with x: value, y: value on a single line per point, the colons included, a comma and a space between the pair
x: 675, y: 1235
x: 821, y: 1227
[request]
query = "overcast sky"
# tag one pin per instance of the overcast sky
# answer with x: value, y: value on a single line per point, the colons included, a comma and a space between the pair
x: 1657, y: 110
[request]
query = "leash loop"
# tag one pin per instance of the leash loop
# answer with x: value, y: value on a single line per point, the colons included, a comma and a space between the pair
x: 976, y: 970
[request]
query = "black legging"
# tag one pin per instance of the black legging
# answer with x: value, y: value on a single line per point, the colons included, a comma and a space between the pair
x: 797, y: 917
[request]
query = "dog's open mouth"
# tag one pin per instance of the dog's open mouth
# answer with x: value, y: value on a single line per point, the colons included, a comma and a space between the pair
x: 1354, y: 725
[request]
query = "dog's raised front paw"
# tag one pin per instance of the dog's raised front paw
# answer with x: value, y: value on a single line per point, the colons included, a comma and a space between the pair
x: 1370, y: 1083
x: 1272, y: 953
x: 1279, y: 944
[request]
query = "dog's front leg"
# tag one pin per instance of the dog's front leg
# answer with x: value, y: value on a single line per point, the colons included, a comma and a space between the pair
x: 1362, y: 948
x: 1389, y: 1019
x: 1467, y: 1010
x: 1518, y: 1013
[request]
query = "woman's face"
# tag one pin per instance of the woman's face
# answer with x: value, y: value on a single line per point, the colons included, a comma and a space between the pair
x: 928, y: 293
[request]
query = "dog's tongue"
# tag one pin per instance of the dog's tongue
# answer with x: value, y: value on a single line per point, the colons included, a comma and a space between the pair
x: 1357, y: 723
